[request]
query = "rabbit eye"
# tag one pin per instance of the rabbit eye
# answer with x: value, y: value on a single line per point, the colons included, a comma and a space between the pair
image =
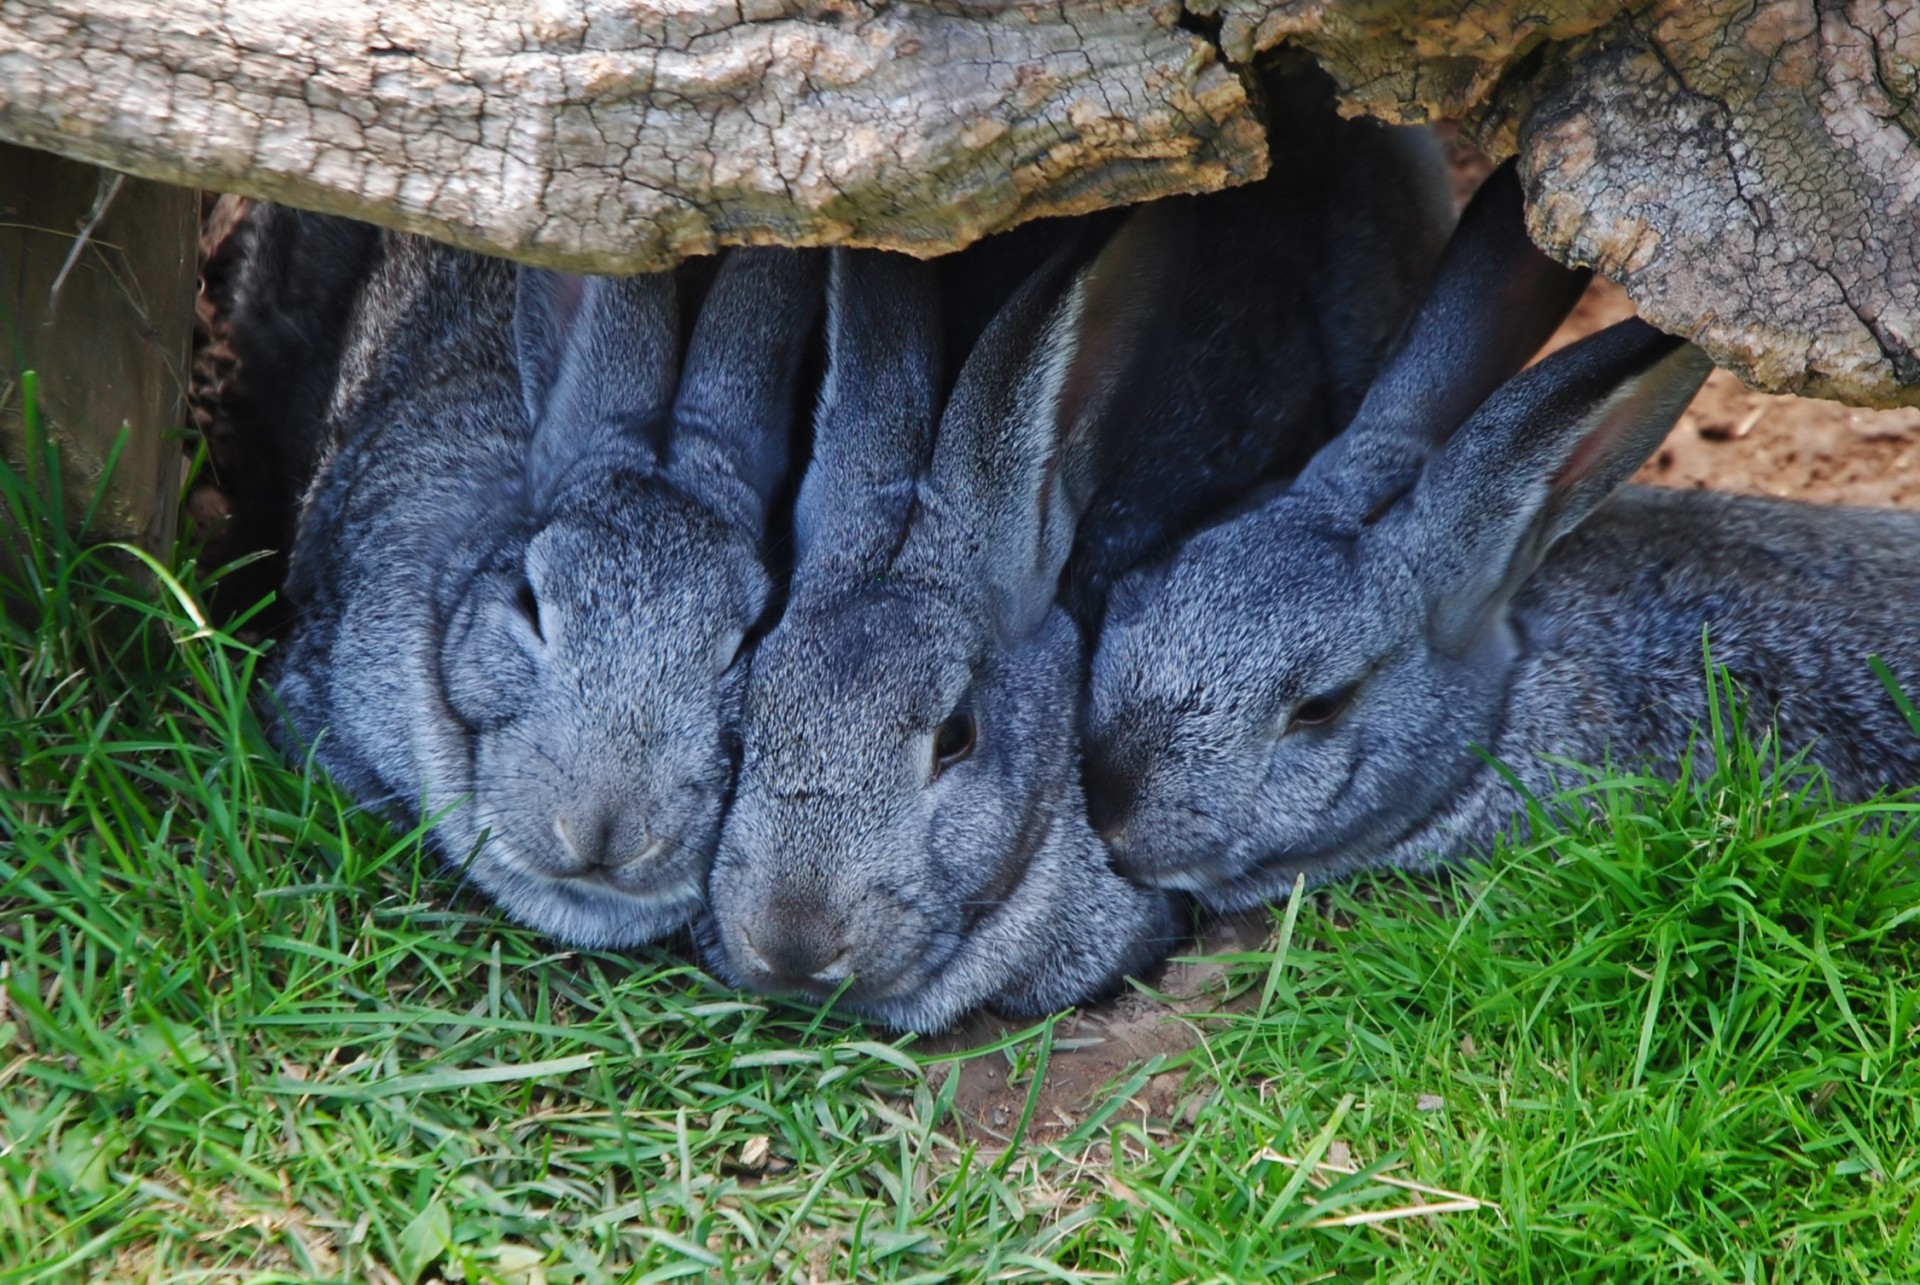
x: 1318, y: 711
x: 953, y: 739
x: 528, y: 603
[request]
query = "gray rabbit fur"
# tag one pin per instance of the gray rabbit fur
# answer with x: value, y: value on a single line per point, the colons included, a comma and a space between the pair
x: 926, y: 614
x: 525, y: 568
x: 1306, y: 690
x: 907, y: 820
x: 1299, y: 285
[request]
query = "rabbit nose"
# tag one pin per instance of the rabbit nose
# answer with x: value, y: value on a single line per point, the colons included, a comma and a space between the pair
x: 795, y: 947
x: 602, y: 837
x: 584, y: 835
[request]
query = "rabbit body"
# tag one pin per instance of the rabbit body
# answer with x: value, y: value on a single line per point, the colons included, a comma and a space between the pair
x: 1791, y: 599
x: 1599, y: 660
x: 526, y: 565
x: 907, y: 829
x: 1307, y: 689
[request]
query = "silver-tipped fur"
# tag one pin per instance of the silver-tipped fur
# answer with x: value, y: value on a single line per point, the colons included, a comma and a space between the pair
x: 525, y: 570
x: 1309, y: 688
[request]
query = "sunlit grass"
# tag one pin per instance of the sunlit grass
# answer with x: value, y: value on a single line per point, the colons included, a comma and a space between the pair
x: 249, y: 1032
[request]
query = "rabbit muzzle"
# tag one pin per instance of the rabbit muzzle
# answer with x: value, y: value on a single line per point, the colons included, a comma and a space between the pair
x: 601, y: 870
x: 792, y: 948
x: 612, y: 844
x: 798, y: 936
x: 592, y: 906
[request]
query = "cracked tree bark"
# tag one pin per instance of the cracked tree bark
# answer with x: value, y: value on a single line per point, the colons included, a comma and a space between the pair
x: 602, y: 135
x: 1746, y: 168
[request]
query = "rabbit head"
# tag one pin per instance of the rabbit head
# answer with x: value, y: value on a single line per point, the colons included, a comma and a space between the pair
x: 569, y: 725
x: 908, y: 828
x: 1302, y: 689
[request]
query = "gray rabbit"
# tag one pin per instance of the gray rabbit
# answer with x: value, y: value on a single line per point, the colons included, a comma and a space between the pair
x: 525, y: 570
x: 907, y: 821
x: 1306, y: 689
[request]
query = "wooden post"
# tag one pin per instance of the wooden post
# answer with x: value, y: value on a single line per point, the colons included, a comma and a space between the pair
x: 96, y: 296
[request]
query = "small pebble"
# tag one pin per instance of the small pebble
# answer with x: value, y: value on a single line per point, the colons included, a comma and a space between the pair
x: 754, y: 1154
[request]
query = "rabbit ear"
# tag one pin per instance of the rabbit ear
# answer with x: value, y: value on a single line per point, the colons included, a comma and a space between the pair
x: 597, y: 358
x: 734, y: 416
x: 1494, y: 300
x: 544, y: 312
x: 1036, y: 413
x: 1536, y: 460
x: 873, y: 433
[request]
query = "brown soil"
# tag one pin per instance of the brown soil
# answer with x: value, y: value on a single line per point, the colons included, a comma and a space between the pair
x: 1095, y: 1047
x: 1734, y: 439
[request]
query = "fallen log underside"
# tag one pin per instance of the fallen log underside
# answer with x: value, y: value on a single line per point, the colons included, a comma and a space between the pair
x: 1746, y: 168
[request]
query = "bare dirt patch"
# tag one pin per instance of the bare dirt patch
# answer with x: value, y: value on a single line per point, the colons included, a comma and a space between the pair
x: 1732, y: 438
x: 1094, y: 1047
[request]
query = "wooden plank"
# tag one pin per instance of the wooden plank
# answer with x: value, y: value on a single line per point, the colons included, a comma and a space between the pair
x: 96, y: 297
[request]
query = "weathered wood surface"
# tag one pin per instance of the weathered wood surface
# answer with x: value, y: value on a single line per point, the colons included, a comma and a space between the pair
x: 1746, y: 168
x: 620, y: 136
x: 96, y: 298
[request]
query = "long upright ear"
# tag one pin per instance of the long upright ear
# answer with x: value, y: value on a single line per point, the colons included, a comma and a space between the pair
x: 546, y: 307
x: 733, y: 422
x: 1494, y: 300
x: 597, y: 362
x: 1535, y: 461
x: 873, y: 431
x: 1037, y: 408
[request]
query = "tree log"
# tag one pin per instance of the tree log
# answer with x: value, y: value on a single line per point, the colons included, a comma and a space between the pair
x: 1749, y: 174
x: 96, y: 298
x: 617, y: 137
x: 1746, y: 168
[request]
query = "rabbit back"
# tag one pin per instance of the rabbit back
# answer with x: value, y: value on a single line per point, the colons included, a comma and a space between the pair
x: 1614, y: 633
x: 1789, y: 597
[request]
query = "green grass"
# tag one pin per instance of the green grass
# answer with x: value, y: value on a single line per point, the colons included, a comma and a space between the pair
x: 249, y: 1033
